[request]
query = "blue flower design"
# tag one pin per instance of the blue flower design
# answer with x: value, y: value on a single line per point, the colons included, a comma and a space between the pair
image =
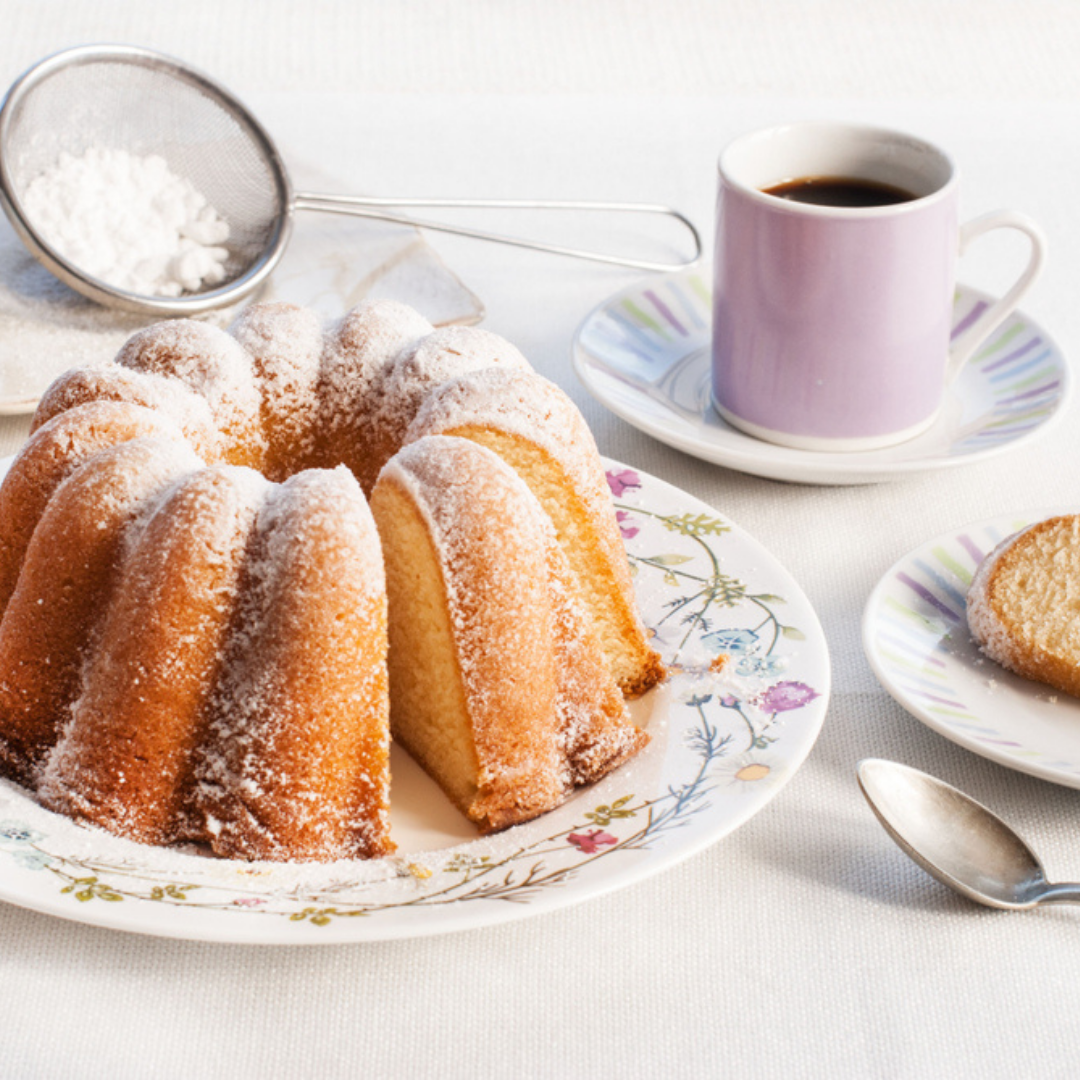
x: 760, y: 665
x: 15, y: 832
x: 730, y: 641
x: 32, y: 860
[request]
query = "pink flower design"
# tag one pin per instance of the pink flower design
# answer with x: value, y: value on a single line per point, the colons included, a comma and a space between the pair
x: 620, y: 481
x: 627, y: 530
x: 786, y: 695
x: 591, y: 842
x: 248, y: 901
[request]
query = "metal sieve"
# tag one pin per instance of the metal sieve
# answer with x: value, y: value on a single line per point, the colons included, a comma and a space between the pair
x: 128, y: 98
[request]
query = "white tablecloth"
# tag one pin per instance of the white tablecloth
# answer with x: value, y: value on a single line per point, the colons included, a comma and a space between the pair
x: 804, y: 944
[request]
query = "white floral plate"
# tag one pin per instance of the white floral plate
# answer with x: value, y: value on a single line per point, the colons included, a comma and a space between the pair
x: 916, y: 638
x: 722, y: 745
x: 644, y: 353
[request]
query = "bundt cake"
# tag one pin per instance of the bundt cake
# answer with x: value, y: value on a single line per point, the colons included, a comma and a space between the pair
x: 193, y: 642
x: 479, y: 587
x: 1023, y: 600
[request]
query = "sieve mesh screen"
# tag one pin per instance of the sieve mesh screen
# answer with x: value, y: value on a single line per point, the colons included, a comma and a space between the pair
x: 144, y: 105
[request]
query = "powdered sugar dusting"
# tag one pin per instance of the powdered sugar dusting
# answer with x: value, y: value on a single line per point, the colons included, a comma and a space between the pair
x: 359, y: 349
x: 522, y: 403
x: 210, y: 362
x: 110, y: 382
x: 596, y: 731
x: 983, y: 621
x: 296, y: 762
x: 128, y: 221
x: 442, y: 354
x: 67, y: 578
x: 285, y: 344
x: 123, y: 759
x: 462, y: 490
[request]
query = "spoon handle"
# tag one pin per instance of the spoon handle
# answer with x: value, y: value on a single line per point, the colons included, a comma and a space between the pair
x: 1063, y: 892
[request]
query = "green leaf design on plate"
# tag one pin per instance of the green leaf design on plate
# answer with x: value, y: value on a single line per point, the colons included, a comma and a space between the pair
x: 605, y: 815
x: 90, y: 888
x: 323, y: 916
x: 171, y: 891
x: 727, y: 591
x: 462, y: 863
x: 695, y: 525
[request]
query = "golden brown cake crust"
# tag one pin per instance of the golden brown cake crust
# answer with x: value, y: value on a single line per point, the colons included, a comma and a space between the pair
x: 285, y: 343
x: 297, y: 761
x: 124, y: 760
x: 50, y: 456
x: 71, y: 569
x: 120, y: 386
x: 360, y: 350
x: 1022, y: 602
x: 214, y: 365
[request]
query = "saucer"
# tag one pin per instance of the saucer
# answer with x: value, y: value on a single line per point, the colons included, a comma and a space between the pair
x: 644, y: 353
x: 916, y: 639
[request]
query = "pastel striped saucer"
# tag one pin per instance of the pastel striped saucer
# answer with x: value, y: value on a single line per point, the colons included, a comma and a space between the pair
x: 916, y: 638
x: 644, y: 353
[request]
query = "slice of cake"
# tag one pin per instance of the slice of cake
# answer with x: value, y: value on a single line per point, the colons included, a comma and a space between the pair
x: 1023, y: 607
x: 498, y: 686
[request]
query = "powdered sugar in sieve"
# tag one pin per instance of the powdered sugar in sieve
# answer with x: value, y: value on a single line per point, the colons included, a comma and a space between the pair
x: 134, y: 102
x: 129, y: 221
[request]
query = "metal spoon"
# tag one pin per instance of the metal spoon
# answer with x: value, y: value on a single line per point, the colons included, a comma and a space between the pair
x: 956, y: 839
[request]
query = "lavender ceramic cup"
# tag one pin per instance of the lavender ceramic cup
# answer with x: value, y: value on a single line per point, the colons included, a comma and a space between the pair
x: 831, y: 325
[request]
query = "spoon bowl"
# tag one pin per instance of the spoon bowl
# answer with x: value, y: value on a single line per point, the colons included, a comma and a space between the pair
x: 956, y: 839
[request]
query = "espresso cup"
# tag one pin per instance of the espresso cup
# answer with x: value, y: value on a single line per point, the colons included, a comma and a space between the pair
x: 832, y: 323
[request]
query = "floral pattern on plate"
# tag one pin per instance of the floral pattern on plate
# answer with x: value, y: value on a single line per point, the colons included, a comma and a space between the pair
x: 916, y: 638
x: 746, y: 697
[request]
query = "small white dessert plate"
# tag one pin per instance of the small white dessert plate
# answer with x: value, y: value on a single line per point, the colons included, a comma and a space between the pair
x: 722, y: 744
x: 916, y: 638
x: 644, y: 353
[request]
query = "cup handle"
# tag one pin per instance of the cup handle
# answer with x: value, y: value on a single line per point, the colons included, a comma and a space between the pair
x: 971, y: 338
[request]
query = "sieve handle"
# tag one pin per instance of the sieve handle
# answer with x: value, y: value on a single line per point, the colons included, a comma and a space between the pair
x: 382, y: 208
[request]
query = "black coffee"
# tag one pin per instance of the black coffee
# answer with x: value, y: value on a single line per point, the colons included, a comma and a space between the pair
x: 839, y: 191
